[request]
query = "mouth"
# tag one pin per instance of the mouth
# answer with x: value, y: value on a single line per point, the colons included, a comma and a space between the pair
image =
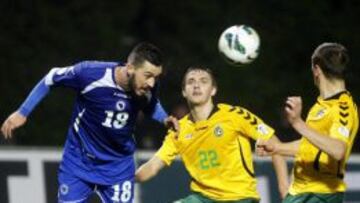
x: 196, y: 93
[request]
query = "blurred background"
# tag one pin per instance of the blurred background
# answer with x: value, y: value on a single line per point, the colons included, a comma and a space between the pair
x: 36, y: 35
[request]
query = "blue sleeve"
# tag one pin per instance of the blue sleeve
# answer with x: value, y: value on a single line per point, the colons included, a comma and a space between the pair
x: 159, y: 114
x: 35, y: 96
x: 154, y: 107
x: 67, y: 76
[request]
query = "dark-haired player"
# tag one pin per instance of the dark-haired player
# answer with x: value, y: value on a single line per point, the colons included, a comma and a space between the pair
x: 98, y: 153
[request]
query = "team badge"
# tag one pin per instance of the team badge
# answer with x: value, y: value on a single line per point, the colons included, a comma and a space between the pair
x: 120, y: 105
x: 344, y: 131
x: 188, y: 136
x: 262, y: 129
x: 64, y: 189
x: 320, y: 114
x: 218, y: 131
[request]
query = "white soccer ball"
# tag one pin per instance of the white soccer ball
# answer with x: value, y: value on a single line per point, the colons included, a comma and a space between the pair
x: 239, y: 44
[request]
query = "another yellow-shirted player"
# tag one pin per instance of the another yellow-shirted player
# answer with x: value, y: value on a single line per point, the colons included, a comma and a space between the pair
x: 214, y: 145
x: 327, y: 135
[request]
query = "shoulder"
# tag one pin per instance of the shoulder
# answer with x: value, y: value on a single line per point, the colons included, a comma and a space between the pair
x: 97, y: 64
x: 344, y: 102
x: 345, y: 98
x: 230, y: 109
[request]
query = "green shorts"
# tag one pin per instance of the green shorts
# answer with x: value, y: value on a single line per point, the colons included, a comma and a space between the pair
x: 199, y: 198
x: 315, y: 198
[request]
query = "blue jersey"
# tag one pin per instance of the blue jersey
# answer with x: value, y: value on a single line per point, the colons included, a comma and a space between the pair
x: 100, y: 144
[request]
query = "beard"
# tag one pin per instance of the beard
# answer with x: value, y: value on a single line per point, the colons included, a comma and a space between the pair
x: 132, y: 85
x: 141, y: 100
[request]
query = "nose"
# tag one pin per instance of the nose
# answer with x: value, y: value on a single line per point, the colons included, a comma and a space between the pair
x: 151, y: 82
x: 196, y: 84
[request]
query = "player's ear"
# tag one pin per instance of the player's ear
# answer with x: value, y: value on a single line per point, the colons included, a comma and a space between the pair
x: 213, y: 91
x: 317, y: 70
x: 130, y: 68
x: 183, y: 93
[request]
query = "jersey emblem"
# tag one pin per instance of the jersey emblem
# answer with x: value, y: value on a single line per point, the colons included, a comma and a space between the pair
x: 262, y: 129
x: 320, y: 114
x: 120, y: 105
x: 64, y: 189
x: 218, y: 131
x: 344, y: 131
x: 188, y: 136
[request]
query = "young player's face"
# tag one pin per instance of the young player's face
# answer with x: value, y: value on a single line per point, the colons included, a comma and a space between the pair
x: 198, y: 87
x: 144, y: 77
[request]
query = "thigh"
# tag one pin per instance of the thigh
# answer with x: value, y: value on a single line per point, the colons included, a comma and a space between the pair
x: 73, y: 189
x: 121, y: 192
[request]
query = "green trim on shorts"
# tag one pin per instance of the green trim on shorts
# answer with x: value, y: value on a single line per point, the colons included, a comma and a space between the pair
x: 315, y: 198
x: 199, y: 198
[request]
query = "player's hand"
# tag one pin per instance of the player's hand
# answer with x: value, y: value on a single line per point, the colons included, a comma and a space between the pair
x: 293, y: 107
x: 172, y: 123
x: 14, y: 121
x: 264, y: 148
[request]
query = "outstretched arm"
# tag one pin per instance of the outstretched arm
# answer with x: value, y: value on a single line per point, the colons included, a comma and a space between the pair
x: 67, y: 76
x: 19, y: 117
x: 150, y: 169
x: 272, y: 146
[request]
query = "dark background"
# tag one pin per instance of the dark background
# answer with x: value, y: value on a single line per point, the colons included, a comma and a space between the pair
x: 38, y: 35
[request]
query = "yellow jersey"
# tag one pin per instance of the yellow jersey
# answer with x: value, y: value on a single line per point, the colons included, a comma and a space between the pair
x: 217, y: 152
x: 315, y: 171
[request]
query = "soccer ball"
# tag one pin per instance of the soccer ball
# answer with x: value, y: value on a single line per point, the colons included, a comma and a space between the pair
x: 239, y: 44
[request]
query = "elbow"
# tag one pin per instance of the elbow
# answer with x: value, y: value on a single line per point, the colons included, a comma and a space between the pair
x: 340, y: 152
x: 339, y: 156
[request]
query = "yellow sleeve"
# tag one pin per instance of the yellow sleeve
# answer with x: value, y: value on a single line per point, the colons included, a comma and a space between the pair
x: 342, y: 123
x: 168, y: 150
x: 250, y: 125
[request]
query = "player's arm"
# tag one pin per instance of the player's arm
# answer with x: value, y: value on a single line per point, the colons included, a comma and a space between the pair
x: 160, y: 115
x: 270, y: 147
x: 57, y: 76
x: 333, y: 147
x: 150, y: 169
x: 157, y: 112
x: 163, y: 157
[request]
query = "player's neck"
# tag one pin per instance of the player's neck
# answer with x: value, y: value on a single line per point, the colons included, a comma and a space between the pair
x: 122, y: 78
x: 201, y: 112
x: 329, y: 88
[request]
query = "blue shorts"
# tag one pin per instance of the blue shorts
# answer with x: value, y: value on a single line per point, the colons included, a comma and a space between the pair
x: 75, y: 190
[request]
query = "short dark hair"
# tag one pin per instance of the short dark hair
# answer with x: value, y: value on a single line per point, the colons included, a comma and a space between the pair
x: 200, y: 68
x: 145, y: 52
x: 332, y: 58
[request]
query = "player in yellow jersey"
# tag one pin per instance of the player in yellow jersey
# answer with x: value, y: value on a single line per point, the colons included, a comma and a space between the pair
x: 214, y: 145
x: 327, y: 135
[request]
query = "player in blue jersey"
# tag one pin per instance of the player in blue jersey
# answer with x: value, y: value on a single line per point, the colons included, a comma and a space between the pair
x: 98, y: 153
